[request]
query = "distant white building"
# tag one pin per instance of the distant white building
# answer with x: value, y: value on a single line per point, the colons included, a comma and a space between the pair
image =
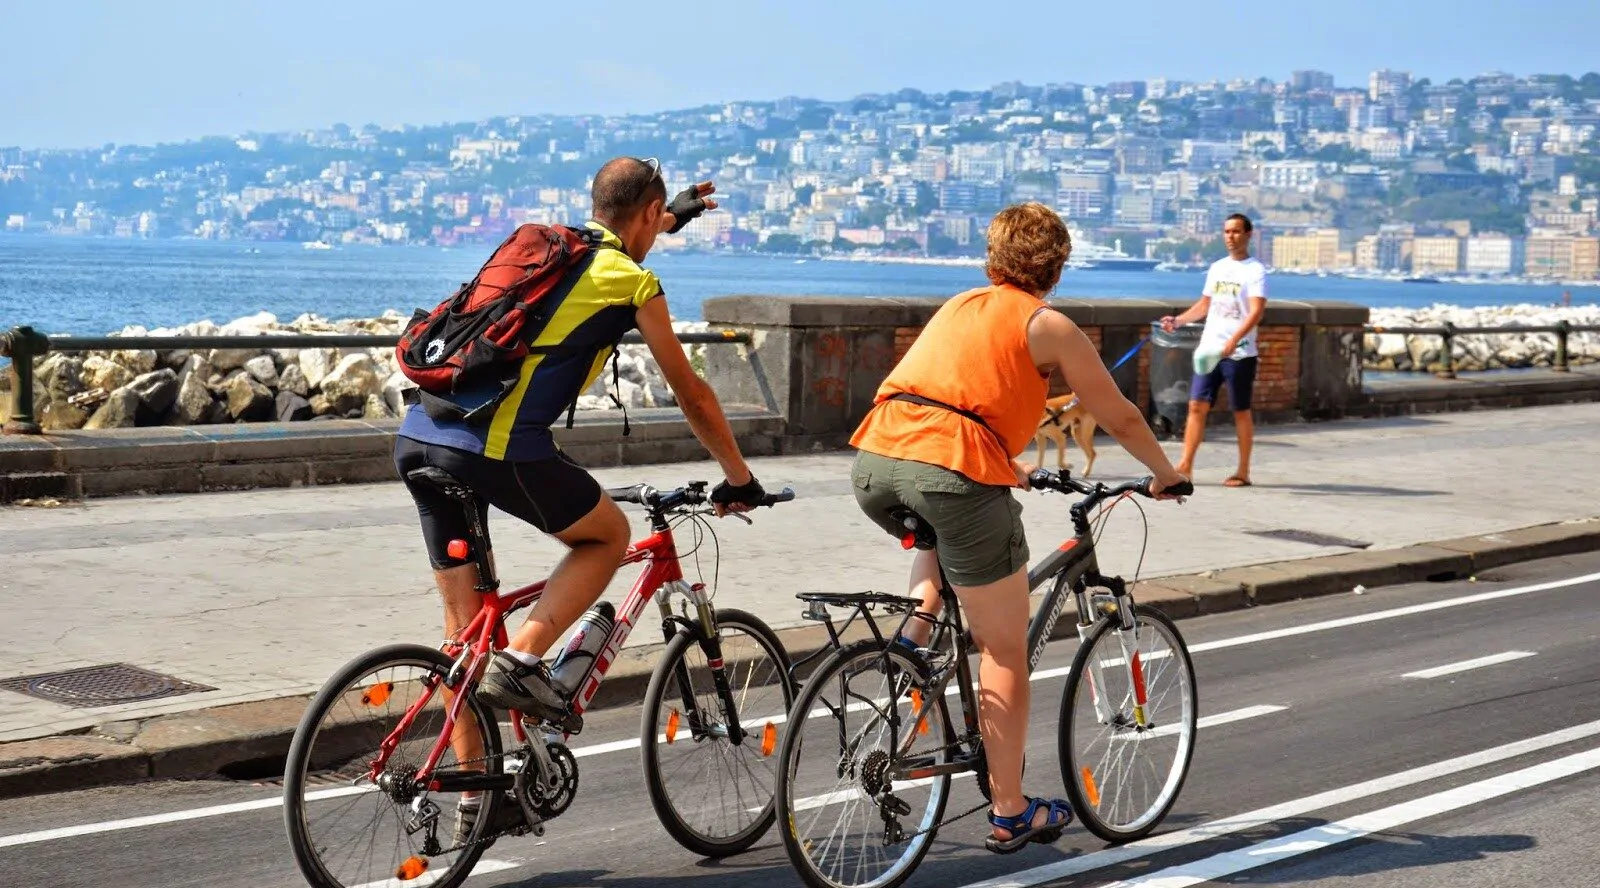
x: 1494, y: 254
x: 1289, y: 175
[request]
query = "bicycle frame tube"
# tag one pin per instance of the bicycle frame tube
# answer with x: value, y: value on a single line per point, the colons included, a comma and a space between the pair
x: 1067, y: 564
x: 662, y: 553
x: 487, y: 633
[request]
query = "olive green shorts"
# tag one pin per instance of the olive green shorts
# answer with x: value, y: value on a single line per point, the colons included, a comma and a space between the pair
x: 979, y: 526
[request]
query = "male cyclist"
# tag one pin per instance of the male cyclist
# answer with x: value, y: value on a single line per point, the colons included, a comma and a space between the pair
x: 514, y: 464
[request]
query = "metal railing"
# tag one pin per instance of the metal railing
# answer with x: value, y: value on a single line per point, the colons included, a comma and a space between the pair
x: 1449, y: 332
x: 24, y: 345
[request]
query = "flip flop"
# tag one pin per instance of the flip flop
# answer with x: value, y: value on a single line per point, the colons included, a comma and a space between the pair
x: 1235, y: 481
x: 1022, y: 829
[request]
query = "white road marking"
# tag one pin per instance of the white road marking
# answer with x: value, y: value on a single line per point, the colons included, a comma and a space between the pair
x: 1464, y: 665
x: 1208, y: 721
x: 1351, y: 828
x: 1409, y: 610
x: 1221, y: 718
x: 1296, y: 808
x: 89, y: 829
x: 598, y: 749
x: 432, y: 876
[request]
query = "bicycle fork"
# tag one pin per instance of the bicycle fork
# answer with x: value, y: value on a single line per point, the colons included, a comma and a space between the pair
x: 704, y: 626
x: 1119, y: 606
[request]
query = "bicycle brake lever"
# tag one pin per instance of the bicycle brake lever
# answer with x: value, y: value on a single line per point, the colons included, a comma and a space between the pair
x: 742, y: 517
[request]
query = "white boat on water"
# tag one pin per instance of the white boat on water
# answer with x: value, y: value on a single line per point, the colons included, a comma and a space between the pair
x: 316, y: 245
x: 1088, y: 256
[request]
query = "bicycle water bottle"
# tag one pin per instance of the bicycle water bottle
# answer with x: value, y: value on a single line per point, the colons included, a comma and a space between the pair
x: 578, y: 657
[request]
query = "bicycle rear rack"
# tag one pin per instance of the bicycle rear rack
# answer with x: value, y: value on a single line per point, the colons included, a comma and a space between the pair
x: 862, y: 604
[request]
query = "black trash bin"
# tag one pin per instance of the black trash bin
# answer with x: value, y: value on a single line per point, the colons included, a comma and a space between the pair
x: 1171, y: 374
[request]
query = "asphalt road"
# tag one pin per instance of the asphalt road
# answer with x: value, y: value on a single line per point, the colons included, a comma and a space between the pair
x: 1357, y: 763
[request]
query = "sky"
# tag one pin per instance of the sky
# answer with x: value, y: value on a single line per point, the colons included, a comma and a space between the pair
x: 82, y: 74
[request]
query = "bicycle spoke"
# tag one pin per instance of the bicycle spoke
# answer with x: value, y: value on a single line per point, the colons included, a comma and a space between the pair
x: 1123, y: 774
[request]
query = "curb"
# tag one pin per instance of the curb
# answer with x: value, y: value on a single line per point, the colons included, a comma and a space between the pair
x: 249, y: 740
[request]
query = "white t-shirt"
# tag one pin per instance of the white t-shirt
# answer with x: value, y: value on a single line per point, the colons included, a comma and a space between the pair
x: 1231, y: 283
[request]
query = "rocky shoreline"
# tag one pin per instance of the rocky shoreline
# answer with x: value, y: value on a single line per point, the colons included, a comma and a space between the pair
x: 1510, y: 350
x: 129, y: 388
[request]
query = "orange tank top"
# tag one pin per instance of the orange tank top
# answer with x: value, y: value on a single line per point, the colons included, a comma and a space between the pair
x: 973, y: 355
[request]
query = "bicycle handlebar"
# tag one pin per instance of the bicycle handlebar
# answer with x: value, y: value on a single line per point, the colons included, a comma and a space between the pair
x: 692, y: 494
x: 1045, y: 479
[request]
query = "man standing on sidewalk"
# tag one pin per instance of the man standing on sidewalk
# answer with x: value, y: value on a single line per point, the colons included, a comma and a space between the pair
x: 1232, y: 303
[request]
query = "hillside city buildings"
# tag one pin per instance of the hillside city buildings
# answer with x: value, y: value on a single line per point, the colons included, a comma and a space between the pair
x: 1498, y: 175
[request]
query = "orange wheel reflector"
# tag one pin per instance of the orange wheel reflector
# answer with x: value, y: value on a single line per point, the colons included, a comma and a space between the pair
x: 1089, y: 789
x: 410, y: 868
x: 672, y: 726
x: 769, y: 739
x: 378, y: 694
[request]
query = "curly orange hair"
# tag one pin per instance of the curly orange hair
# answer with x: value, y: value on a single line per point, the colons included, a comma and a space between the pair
x: 1028, y: 246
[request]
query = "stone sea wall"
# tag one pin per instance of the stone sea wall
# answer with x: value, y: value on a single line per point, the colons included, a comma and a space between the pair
x: 1424, y: 353
x: 122, y: 389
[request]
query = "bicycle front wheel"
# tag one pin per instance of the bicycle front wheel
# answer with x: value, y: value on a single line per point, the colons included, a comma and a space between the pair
x: 849, y: 820
x: 347, y: 830
x: 1128, y: 723
x: 713, y: 796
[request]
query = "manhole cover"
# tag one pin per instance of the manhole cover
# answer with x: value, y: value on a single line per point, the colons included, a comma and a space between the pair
x: 1311, y: 537
x: 101, y: 685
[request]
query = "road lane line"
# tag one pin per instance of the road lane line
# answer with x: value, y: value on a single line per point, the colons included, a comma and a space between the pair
x: 616, y: 746
x: 1342, y: 622
x: 1221, y: 718
x: 428, y: 878
x: 1351, y: 828
x: 1464, y: 665
x: 1226, y: 826
x: 89, y: 829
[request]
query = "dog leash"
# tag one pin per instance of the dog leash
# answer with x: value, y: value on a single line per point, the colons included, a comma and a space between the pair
x: 1055, y: 417
x: 1131, y: 352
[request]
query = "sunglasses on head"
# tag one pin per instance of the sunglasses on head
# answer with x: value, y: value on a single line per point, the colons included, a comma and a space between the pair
x: 655, y: 168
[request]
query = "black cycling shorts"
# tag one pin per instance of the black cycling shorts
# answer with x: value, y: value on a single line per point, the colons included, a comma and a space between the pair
x: 551, y: 494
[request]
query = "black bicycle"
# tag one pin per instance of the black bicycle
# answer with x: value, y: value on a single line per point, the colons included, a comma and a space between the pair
x: 865, y: 767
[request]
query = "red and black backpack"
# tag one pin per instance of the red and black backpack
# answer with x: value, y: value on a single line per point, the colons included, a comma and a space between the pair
x: 480, y: 335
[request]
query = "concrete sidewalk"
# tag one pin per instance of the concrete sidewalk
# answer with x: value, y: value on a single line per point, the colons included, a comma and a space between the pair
x: 261, y: 595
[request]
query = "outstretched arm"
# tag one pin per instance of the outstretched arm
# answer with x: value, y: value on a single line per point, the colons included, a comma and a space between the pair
x: 695, y: 397
x: 1053, y: 340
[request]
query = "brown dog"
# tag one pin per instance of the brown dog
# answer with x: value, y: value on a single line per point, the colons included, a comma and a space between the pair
x: 1062, y: 414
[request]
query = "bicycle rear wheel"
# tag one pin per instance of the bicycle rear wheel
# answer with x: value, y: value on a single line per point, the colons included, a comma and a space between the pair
x: 1122, y: 776
x: 344, y: 830
x: 716, y: 798
x: 846, y: 821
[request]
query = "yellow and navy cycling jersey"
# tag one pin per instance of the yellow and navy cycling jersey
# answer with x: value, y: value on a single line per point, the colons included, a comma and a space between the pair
x: 598, y: 309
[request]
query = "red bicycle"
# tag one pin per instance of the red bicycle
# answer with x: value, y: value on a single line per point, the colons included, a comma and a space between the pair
x: 397, y: 733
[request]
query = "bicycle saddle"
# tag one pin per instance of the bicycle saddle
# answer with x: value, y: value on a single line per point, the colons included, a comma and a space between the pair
x: 918, y: 532
x: 442, y: 481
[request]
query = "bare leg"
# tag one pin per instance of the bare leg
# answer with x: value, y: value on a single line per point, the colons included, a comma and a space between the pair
x: 924, y: 584
x: 1244, y: 421
x: 997, y: 614
x: 1193, y: 433
x: 596, y: 542
x: 461, y: 604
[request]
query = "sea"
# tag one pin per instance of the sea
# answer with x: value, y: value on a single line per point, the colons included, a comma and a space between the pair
x: 93, y: 286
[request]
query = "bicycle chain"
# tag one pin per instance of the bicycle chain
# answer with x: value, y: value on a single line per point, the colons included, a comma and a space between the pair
x: 948, y: 820
x: 486, y: 839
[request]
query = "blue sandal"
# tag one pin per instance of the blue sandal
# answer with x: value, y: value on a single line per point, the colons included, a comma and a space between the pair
x: 1022, y: 829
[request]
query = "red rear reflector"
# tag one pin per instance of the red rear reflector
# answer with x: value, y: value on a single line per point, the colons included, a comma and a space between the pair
x: 458, y: 549
x: 908, y: 541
